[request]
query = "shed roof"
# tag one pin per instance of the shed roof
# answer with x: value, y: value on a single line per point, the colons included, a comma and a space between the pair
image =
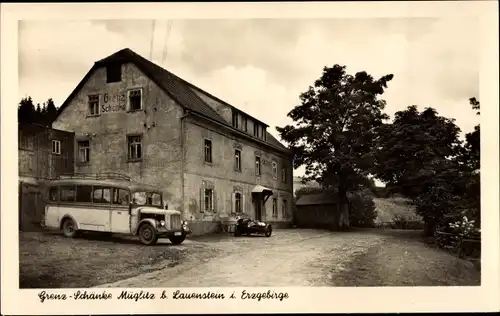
x: 177, y: 88
x: 317, y: 199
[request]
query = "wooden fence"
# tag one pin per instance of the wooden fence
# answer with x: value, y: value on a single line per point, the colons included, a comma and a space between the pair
x: 464, y: 247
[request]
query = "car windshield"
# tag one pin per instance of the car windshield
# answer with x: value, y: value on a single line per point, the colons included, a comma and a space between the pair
x: 146, y: 198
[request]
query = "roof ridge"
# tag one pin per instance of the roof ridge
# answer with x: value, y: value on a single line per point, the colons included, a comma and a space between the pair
x: 177, y: 88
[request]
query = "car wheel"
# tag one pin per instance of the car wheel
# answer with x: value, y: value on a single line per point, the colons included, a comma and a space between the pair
x: 269, y: 232
x: 147, y: 234
x: 177, y: 240
x: 69, y: 228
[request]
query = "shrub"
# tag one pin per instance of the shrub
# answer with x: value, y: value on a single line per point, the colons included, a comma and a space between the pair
x: 362, y: 212
x: 462, y: 236
x: 465, y: 228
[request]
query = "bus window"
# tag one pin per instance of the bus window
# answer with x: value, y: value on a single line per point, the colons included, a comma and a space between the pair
x: 84, y: 193
x: 102, y: 195
x: 53, y: 194
x: 67, y: 193
x: 120, y: 196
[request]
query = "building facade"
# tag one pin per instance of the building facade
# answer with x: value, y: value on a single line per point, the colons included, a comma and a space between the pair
x: 211, y: 160
x: 43, y: 154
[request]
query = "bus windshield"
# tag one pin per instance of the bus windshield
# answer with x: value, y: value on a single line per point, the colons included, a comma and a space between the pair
x: 146, y: 198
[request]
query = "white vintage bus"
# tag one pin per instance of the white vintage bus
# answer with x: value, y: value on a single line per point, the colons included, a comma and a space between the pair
x: 111, y: 203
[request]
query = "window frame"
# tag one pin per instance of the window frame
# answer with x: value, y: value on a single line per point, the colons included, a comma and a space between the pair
x: 129, y: 92
x: 245, y: 124
x: 237, y: 160
x: 235, y: 119
x: 283, y: 174
x: 91, y: 197
x: 57, y: 197
x: 275, y: 207
x: 238, y: 201
x: 98, y: 105
x: 210, y: 197
x: 95, y: 188
x: 115, y: 202
x: 137, y: 144
x: 61, y: 189
x: 258, y: 166
x: 275, y: 169
x: 57, y: 147
x: 85, y: 148
x: 207, y: 141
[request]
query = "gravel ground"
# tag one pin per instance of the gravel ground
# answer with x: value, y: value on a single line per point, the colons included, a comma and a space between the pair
x: 294, y: 257
x: 316, y: 258
x: 402, y: 259
x: 50, y: 260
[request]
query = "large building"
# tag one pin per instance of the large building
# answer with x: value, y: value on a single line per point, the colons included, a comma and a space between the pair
x: 211, y: 160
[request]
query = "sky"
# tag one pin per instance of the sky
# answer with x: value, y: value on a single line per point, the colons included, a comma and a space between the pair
x: 262, y: 65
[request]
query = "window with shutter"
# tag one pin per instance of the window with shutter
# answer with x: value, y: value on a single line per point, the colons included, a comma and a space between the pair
x: 202, y: 197
x: 213, y: 202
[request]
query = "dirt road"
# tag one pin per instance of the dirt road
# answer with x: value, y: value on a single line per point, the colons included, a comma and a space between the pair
x: 312, y: 258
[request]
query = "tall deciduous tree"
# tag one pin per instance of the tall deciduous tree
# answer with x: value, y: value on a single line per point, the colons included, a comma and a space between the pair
x: 472, y: 147
x: 415, y: 147
x: 334, y: 128
x: 420, y: 154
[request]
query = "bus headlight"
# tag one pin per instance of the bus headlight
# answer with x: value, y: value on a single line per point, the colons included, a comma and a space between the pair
x: 162, y: 223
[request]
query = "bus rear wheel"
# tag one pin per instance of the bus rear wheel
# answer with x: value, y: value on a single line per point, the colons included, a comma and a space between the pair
x: 177, y: 240
x: 69, y: 228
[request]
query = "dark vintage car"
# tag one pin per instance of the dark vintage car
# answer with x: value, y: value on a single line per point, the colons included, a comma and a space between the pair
x: 246, y: 226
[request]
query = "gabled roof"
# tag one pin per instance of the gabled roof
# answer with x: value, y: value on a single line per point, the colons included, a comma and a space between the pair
x: 178, y: 89
x: 317, y: 199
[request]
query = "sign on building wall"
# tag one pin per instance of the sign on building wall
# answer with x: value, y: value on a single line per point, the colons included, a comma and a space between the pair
x: 114, y: 102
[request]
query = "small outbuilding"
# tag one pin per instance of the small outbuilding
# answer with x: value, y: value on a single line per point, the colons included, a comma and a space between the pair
x: 320, y: 211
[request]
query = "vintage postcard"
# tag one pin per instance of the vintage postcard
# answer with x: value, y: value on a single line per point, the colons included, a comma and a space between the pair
x: 249, y: 157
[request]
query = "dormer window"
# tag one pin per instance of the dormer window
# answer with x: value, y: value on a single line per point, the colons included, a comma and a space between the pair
x: 235, y: 119
x: 255, y: 130
x: 114, y: 73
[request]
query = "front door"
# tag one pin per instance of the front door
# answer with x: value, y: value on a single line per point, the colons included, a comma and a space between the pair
x: 258, y: 209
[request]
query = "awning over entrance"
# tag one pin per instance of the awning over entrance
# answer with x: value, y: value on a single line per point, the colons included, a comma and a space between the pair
x: 263, y: 190
x: 260, y: 193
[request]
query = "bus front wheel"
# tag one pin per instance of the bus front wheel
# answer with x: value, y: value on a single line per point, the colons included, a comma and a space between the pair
x: 147, y: 234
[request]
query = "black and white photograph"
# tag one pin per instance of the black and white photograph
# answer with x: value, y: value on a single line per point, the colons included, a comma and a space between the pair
x: 209, y: 156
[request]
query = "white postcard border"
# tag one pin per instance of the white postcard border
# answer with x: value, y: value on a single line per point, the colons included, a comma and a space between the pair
x: 313, y: 299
